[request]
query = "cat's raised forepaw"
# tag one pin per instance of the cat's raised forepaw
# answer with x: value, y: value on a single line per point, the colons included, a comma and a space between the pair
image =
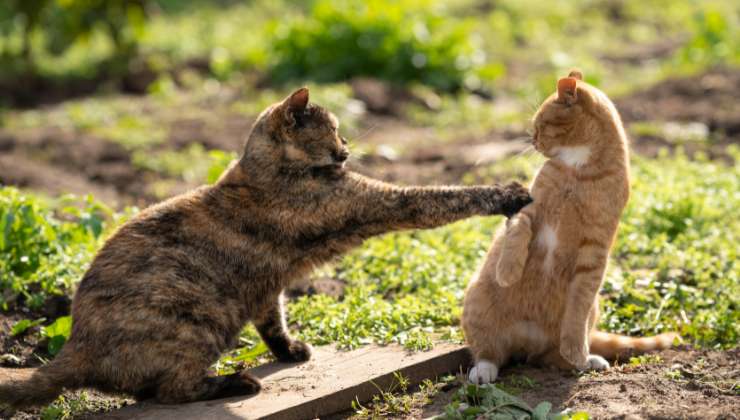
x: 596, y: 362
x: 298, y: 351
x: 483, y: 372
x: 508, y: 273
x: 515, y: 197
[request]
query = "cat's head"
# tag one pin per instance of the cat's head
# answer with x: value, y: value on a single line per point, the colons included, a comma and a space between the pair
x: 299, y: 136
x: 573, y: 118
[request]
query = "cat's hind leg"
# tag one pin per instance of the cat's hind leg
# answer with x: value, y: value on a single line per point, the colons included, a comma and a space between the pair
x: 555, y: 359
x: 187, y: 386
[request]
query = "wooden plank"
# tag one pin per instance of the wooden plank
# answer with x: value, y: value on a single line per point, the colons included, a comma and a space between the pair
x: 327, y: 384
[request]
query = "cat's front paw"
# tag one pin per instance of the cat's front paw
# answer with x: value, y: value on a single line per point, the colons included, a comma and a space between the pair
x: 515, y: 196
x: 297, y: 351
x: 596, y: 362
x: 483, y: 372
x: 508, y: 273
x: 575, y: 352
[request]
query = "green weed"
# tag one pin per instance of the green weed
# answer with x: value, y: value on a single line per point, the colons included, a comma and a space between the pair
x: 45, y: 249
x: 645, y: 359
x: 397, y: 400
x: 489, y: 401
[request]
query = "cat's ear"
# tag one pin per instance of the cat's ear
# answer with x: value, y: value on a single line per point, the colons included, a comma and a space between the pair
x: 567, y: 87
x: 294, y: 104
x: 575, y: 73
x: 298, y: 100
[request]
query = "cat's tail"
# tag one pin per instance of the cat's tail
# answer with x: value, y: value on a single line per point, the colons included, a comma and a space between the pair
x: 20, y: 388
x: 611, y: 346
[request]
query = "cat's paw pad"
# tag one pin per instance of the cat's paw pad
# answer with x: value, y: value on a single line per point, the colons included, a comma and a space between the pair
x: 298, y: 351
x: 483, y: 372
x: 596, y: 362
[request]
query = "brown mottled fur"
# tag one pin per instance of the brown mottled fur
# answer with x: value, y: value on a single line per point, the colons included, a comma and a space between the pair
x: 536, y: 294
x: 172, y: 288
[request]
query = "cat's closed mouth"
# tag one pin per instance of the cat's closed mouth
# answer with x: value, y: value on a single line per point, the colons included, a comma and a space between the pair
x: 332, y: 170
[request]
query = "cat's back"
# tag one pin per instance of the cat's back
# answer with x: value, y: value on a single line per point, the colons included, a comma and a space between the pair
x: 149, y: 242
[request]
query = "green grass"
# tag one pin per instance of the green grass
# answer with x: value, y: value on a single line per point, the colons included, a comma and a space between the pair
x: 674, y: 265
x: 45, y: 247
x: 397, y: 400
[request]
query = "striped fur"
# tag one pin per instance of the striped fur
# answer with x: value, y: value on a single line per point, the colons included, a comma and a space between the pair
x: 170, y: 291
x: 537, y: 292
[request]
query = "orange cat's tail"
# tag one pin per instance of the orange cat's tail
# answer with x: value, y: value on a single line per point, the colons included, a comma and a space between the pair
x: 611, y: 346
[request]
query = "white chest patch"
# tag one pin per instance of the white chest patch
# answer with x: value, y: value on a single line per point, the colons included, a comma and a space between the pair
x: 548, y: 239
x: 574, y: 156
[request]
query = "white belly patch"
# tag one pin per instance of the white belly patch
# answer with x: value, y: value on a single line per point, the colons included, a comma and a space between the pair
x: 529, y: 335
x: 547, y: 238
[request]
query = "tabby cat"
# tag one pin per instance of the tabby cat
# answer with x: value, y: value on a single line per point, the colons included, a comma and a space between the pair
x: 173, y: 287
x: 536, y: 294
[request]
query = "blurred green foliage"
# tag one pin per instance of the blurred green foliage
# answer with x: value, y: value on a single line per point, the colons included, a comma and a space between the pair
x: 447, y: 45
x: 52, y: 26
x: 45, y: 248
x: 715, y: 40
x: 401, y: 41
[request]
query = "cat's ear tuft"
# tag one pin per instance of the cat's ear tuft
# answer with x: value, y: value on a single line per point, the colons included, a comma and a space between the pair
x: 576, y: 74
x: 298, y: 100
x: 567, y: 90
x: 295, y: 104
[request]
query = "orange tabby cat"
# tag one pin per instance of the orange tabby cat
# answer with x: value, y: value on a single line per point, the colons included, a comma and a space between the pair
x: 537, y: 293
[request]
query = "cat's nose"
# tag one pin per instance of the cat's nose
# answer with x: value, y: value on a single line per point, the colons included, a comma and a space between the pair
x: 341, y: 156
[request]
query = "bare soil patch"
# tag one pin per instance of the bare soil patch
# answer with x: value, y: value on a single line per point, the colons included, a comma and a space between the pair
x: 59, y: 161
x: 706, y: 386
x: 709, y: 99
x: 682, y: 384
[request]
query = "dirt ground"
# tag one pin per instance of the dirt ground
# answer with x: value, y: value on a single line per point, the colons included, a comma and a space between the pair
x: 60, y: 160
x: 56, y: 160
x: 674, y: 384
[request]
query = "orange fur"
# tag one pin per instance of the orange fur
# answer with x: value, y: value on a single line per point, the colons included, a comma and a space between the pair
x: 536, y: 294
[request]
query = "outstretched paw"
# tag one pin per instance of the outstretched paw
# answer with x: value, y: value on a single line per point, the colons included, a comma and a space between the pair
x: 483, y: 372
x: 298, y: 351
x: 515, y: 197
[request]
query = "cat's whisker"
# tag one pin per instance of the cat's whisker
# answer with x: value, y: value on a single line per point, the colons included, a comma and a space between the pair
x: 368, y: 131
x: 526, y: 151
x: 528, y: 148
